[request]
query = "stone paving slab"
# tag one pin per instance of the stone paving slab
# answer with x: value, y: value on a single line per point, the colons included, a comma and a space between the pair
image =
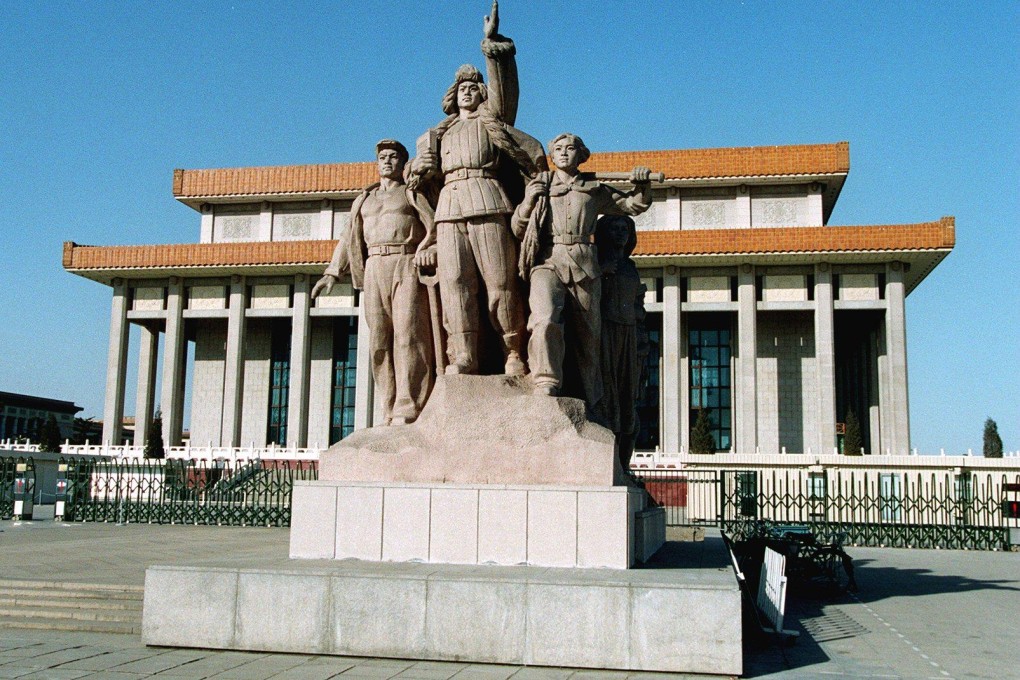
x: 920, y: 614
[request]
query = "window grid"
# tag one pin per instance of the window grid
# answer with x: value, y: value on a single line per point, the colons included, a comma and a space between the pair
x: 345, y: 364
x: 710, y: 357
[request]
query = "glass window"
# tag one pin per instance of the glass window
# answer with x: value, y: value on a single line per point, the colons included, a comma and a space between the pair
x: 279, y: 384
x: 648, y: 388
x: 709, y: 364
x: 345, y: 369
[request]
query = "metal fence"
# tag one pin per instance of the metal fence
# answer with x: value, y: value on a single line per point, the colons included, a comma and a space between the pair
x: 17, y: 482
x: 238, y: 493
x: 944, y: 509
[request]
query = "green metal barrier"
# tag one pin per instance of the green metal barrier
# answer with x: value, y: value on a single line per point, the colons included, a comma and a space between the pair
x: 139, y: 491
x: 948, y: 509
x: 17, y: 478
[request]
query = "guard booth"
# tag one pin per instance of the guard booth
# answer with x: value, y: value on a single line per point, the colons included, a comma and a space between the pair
x: 24, y: 489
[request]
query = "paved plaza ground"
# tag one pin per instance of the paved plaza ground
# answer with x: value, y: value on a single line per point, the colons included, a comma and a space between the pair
x: 918, y: 614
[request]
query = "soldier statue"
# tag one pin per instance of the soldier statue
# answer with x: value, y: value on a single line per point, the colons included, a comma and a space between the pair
x: 556, y: 221
x: 480, y: 161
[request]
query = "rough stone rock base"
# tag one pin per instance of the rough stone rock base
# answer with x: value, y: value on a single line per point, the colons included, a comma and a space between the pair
x: 482, y: 429
x: 552, y: 526
x: 676, y: 620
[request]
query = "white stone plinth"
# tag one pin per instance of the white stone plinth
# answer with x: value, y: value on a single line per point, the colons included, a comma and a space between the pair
x: 551, y: 526
x: 677, y: 620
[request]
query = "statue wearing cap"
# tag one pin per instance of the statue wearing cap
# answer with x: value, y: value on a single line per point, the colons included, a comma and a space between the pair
x: 391, y: 237
x: 481, y: 163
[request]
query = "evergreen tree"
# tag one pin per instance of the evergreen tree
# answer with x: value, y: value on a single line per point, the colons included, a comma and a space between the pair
x: 853, y: 442
x: 49, y: 435
x: 154, y: 444
x: 993, y: 442
x: 82, y: 430
x: 702, y: 441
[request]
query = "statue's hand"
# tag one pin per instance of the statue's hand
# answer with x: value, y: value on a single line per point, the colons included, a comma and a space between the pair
x: 325, y: 284
x: 426, y: 259
x: 640, y: 175
x: 491, y: 22
x: 534, y: 189
x: 425, y: 163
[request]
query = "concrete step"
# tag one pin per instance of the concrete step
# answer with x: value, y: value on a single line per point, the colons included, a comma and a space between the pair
x: 109, y: 588
x: 74, y: 614
x: 59, y: 605
x: 32, y: 600
x: 37, y: 623
x: 70, y: 595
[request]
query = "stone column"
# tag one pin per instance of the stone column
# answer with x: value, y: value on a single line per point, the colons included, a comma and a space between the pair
x: 297, y: 406
x: 206, y: 231
x: 172, y: 394
x: 673, y: 355
x: 145, y: 394
x: 364, y: 384
x: 233, y: 369
x: 825, y: 360
x: 116, y: 365
x: 896, y: 352
x: 746, y: 393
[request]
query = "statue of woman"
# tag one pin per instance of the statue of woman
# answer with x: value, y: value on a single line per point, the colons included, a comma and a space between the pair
x: 624, y: 342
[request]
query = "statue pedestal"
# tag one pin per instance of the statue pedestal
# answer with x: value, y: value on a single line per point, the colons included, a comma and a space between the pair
x: 489, y: 474
x: 551, y: 526
x: 403, y: 537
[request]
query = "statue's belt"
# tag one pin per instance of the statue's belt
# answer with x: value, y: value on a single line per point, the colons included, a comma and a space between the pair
x: 571, y: 239
x: 466, y: 173
x: 392, y: 249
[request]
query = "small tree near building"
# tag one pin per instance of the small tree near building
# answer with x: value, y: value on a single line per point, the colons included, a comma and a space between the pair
x: 702, y: 441
x: 853, y: 442
x: 993, y: 442
x: 154, y: 444
x: 49, y: 435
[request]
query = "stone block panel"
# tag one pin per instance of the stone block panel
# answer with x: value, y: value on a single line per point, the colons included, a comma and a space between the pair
x: 676, y: 620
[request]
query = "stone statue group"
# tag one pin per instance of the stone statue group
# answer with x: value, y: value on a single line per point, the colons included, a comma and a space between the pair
x: 478, y: 213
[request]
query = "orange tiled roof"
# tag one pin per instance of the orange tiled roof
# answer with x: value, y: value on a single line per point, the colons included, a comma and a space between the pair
x: 893, y: 237
x: 938, y: 235
x: 77, y: 257
x: 756, y: 161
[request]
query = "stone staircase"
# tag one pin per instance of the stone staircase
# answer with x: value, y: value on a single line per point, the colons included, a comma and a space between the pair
x: 55, y: 605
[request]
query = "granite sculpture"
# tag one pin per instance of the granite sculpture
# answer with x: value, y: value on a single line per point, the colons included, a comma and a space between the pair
x: 390, y: 242
x: 477, y: 160
x: 556, y: 222
x: 624, y: 342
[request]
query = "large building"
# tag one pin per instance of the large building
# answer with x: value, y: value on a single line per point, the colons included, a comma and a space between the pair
x: 23, y: 415
x: 775, y: 322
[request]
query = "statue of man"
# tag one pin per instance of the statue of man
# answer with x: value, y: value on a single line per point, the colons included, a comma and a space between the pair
x: 471, y: 152
x: 557, y: 223
x: 391, y: 236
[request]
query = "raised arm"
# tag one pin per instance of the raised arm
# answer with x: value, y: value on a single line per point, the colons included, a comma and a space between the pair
x: 501, y: 68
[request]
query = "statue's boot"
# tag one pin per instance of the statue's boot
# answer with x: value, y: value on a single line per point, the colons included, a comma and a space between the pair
x: 462, y: 354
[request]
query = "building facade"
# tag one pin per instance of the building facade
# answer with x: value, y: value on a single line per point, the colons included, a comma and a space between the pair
x: 775, y: 322
x: 23, y: 415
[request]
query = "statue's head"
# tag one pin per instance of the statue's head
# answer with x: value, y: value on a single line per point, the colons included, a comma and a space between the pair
x: 615, y: 234
x: 391, y: 156
x: 467, y: 92
x: 568, y: 151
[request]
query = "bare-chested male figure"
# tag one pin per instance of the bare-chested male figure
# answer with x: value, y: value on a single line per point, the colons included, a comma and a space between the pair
x: 391, y: 235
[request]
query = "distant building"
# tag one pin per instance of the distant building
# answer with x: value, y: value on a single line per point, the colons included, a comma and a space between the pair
x: 760, y: 312
x: 22, y: 415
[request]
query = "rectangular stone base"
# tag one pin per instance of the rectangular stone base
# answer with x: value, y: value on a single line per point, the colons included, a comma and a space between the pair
x: 677, y: 620
x: 552, y: 526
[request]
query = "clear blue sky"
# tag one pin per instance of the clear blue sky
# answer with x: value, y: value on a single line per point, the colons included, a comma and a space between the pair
x: 100, y: 101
